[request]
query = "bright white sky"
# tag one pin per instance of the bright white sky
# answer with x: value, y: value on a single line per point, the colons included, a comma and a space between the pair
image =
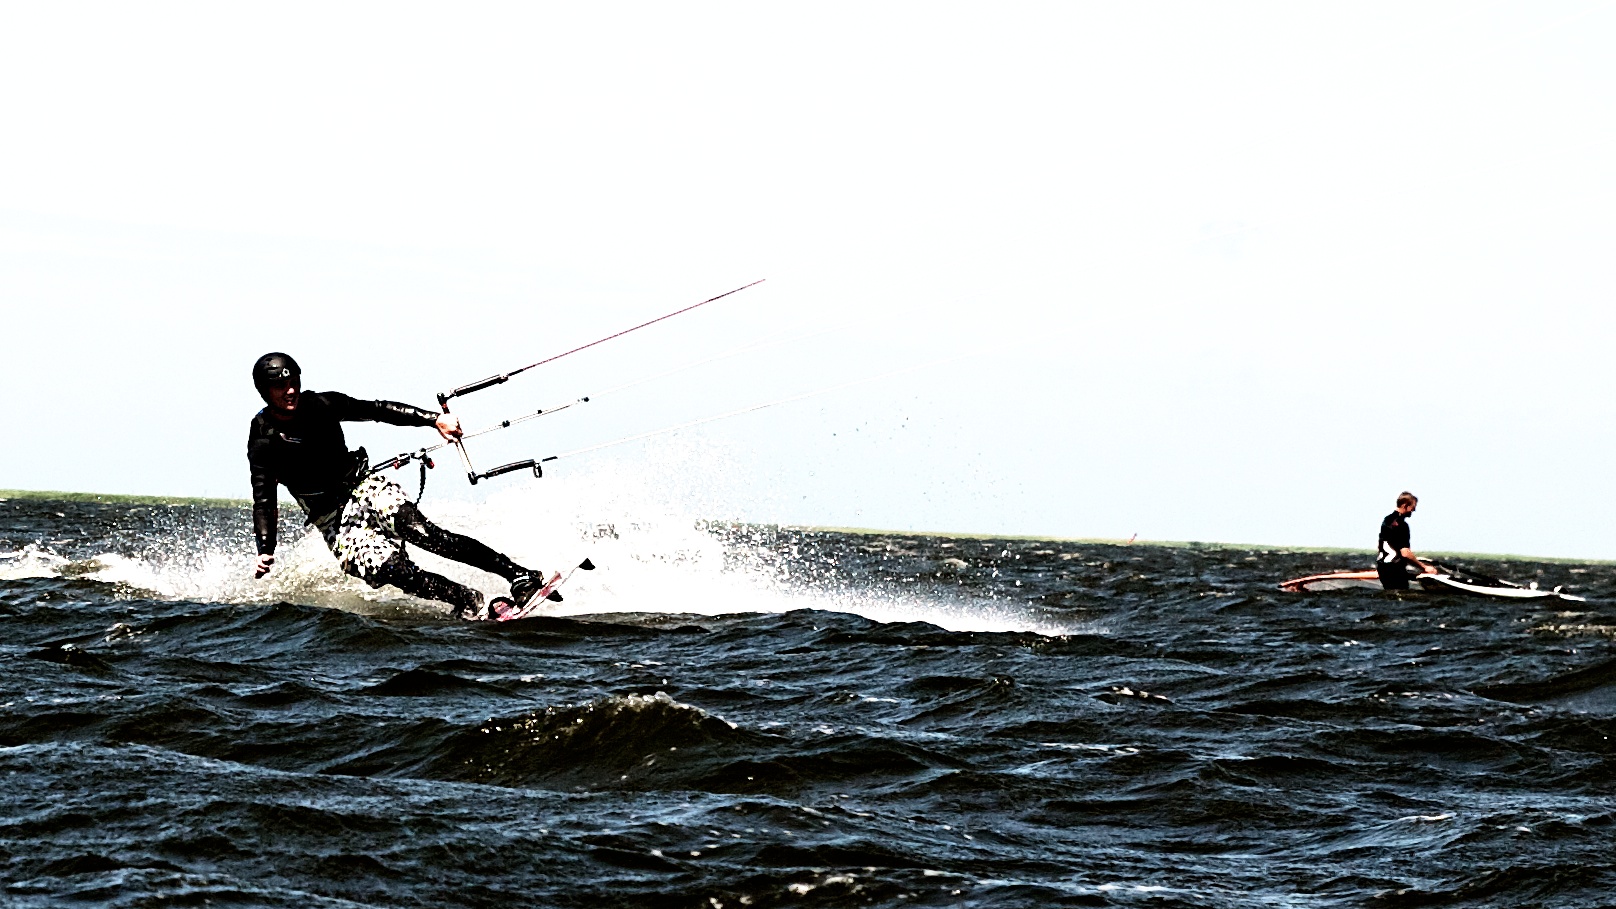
x: 1228, y: 271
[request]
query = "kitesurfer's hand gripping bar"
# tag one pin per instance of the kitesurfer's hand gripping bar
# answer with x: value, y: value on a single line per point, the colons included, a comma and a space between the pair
x: 507, y: 468
x: 471, y: 472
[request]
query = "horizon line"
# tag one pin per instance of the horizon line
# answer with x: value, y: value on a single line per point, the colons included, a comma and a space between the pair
x: 208, y: 502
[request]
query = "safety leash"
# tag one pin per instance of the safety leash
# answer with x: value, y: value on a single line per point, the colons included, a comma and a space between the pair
x: 398, y: 462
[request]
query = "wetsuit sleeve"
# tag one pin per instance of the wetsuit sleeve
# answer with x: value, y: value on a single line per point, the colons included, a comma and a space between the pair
x: 266, y: 505
x: 353, y: 409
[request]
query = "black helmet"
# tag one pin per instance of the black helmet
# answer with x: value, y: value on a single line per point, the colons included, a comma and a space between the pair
x: 272, y: 368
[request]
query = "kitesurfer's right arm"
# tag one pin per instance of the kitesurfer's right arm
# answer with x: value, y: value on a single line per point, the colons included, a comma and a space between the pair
x: 266, y: 509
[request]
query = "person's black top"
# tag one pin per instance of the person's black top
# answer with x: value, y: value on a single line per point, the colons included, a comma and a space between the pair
x: 1393, y: 538
x: 310, y: 457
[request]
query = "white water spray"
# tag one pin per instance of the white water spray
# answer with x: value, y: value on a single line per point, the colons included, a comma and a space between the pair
x: 644, y: 524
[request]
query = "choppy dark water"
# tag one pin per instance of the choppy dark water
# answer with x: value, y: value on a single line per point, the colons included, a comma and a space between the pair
x: 1194, y: 738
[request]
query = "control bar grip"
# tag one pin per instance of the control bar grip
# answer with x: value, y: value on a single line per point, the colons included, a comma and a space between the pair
x: 507, y: 468
x: 443, y: 399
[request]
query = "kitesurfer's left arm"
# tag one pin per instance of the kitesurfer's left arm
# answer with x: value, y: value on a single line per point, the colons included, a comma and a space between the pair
x: 350, y: 409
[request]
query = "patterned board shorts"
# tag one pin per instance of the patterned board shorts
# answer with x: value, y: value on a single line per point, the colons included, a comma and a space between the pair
x: 363, y: 536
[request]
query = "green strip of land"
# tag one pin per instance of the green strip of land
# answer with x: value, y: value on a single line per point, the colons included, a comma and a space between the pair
x: 53, y: 495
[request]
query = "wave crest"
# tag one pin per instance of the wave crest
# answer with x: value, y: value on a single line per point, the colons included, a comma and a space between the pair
x: 616, y: 742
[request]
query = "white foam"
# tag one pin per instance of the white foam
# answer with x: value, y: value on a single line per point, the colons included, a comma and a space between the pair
x: 32, y: 561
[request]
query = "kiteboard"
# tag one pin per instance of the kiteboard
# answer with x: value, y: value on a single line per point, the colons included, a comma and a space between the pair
x: 1335, y: 580
x: 1446, y: 578
x: 503, y: 609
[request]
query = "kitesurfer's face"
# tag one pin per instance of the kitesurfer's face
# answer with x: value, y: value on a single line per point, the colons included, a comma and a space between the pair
x: 282, y: 396
x: 1407, y: 509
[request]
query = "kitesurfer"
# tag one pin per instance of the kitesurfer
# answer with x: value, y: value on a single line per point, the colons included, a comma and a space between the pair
x: 366, y: 519
x: 1394, y: 559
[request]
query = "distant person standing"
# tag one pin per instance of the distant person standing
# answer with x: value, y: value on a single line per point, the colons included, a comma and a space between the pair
x: 1395, y: 558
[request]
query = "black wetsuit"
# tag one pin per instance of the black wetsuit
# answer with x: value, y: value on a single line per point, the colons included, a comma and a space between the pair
x: 1389, y: 560
x: 309, y: 456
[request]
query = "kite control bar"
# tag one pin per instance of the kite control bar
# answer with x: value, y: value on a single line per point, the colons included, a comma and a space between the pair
x: 507, y: 468
x: 424, y: 455
x: 399, y: 461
